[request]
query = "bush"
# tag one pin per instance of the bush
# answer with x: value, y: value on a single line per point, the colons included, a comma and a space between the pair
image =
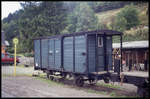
x: 10, y: 49
x: 28, y: 55
x: 127, y: 18
x: 121, y: 24
x: 135, y: 34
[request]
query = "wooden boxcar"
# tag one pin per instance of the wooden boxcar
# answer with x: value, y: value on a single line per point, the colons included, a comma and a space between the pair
x: 82, y: 53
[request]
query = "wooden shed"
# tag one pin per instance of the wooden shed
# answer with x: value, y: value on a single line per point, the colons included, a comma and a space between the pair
x: 134, y: 53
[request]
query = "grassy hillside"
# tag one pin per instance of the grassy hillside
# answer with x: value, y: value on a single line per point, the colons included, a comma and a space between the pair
x: 139, y: 32
x: 105, y: 17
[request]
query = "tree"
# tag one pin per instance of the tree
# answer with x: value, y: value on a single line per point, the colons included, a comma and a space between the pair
x: 44, y: 19
x: 82, y: 19
x: 33, y: 20
x: 129, y: 15
x: 120, y: 23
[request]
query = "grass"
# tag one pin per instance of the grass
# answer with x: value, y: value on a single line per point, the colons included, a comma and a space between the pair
x: 17, y: 75
x: 97, y: 92
x: 42, y: 77
x: 113, y: 94
x: 108, y: 85
x: 107, y: 16
x: 22, y: 55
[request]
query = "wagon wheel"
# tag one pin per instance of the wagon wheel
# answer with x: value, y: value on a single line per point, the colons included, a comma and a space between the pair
x: 79, y: 81
x: 106, y: 79
x: 51, y: 77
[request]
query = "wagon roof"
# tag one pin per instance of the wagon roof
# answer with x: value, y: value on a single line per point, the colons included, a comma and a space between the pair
x: 106, y: 32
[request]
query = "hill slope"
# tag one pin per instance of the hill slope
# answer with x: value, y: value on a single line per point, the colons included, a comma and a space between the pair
x: 139, y: 32
x: 106, y: 16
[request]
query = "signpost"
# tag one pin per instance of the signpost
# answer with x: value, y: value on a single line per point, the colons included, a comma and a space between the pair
x: 15, y: 41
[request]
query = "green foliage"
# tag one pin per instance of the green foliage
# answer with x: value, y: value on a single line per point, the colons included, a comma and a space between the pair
x: 81, y: 19
x: 28, y: 55
x: 135, y: 34
x: 33, y: 20
x: 120, y: 24
x: 86, y: 20
x: 105, y: 6
x: 45, y: 18
x: 127, y: 18
x: 10, y: 50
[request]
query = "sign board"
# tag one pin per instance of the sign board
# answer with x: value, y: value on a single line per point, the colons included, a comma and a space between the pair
x: 15, y: 40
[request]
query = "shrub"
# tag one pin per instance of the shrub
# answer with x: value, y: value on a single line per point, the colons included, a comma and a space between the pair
x: 28, y: 55
x: 127, y: 18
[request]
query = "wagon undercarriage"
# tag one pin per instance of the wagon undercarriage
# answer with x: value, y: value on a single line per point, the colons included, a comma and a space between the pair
x: 79, y: 79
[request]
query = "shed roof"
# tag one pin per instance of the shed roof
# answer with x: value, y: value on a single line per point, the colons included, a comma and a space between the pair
x: 132, y: 44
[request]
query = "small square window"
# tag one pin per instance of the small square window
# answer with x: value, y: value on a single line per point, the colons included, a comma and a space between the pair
x: 100, y: 42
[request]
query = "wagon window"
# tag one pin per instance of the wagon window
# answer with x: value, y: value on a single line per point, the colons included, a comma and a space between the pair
x: 100, y: 42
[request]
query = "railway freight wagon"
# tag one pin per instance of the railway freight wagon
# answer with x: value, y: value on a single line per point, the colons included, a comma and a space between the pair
x: 81, y: 55
x: 85, y: 56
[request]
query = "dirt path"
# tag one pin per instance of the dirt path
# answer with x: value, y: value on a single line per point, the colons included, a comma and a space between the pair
x: 31, y: 87
x: 26, y: 86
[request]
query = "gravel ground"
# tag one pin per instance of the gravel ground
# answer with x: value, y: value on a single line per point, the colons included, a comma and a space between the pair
x: 24, y: 85
x: 31, y: 87
x: 26, y: 60
x: 27, y: 86
x: 20, y: 70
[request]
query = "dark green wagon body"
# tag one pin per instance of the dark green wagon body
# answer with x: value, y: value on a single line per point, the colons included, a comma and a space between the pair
x: 83, y: 52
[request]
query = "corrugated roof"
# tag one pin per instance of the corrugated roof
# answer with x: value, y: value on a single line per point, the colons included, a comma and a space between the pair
x: 132, y: 44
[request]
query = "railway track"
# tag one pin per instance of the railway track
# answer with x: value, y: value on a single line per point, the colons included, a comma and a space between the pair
x: 96, y: 87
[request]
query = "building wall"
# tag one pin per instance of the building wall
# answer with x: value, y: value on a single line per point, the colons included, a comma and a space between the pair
x: 135, y: 57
